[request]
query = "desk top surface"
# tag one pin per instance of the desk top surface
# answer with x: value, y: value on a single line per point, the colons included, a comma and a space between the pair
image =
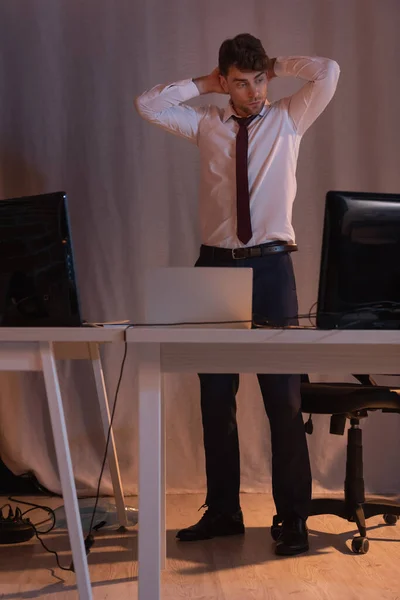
x: 260, y: 336
x: 62, y: 334
x: 182, y: 335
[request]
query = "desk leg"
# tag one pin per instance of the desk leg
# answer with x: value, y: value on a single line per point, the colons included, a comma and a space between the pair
x: 65, y: 470
x: 106, y: 419
x: 151, y: 479
x: 163, y: 491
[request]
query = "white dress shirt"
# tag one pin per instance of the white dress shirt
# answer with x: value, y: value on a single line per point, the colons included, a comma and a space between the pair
x: 274, y: 139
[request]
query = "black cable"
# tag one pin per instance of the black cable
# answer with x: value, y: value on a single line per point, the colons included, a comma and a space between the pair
x: 382, y: 306
x: 351, y: 324
x: 226, y: 322
x: 91, y: 527
x: 310, y: 311
x: 377, y: 308
x: 391, y: 303
x: 89, y: 540
x: 34, y: 506
x: 252, y: 322
x: 34, y: 526
x: 308, y: 316
x: 50, y: 551
x: 109, y: 434
x: 41, y: 522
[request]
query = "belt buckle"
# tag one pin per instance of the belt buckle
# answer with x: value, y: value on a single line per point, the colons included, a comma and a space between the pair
x: 234, y: 254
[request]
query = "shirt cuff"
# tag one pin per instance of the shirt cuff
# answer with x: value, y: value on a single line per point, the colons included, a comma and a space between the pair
x: 186, y: 89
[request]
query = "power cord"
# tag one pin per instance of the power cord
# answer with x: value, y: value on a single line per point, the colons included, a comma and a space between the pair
x: 311, y: 314
x: 20, y: 519
x: 89, y: 540
x: 71, y: 567
x: 365, y: 312
x: 109, y: 431
x: 259, y: 322
x: 50, y: 551
x: 34, y: 506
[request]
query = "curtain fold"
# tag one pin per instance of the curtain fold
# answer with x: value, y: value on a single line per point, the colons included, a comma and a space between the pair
x: 69, y: 71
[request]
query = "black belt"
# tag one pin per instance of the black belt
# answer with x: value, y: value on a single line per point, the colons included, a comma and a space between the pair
x: 249, y: 252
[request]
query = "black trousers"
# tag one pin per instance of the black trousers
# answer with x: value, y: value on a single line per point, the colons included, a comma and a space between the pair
x: 274, y: 299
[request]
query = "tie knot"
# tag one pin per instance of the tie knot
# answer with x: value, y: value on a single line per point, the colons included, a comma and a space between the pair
x: 244, y: 121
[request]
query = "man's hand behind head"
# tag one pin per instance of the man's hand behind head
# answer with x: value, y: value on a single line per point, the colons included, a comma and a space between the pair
x: 210, y: 84
x: 271, y: 71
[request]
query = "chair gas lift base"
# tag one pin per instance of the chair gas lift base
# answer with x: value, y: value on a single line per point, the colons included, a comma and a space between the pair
x: 342, y: 402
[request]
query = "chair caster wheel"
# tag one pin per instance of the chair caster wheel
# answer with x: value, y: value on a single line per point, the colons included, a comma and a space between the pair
x: 360, y: 545
x: 390, y: 519
x: 275, y: 532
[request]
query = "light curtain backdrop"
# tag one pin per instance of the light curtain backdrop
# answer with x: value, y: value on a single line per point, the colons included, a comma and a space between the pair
x: 69, y: 71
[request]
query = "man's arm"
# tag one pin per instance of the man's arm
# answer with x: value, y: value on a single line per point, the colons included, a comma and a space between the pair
x: 307, y: 104
x: 163, y: 105
x: 210, y: 83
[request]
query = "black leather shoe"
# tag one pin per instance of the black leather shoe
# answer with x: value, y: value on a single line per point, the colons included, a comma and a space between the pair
x: 293, y: 537
x: 213, y: 524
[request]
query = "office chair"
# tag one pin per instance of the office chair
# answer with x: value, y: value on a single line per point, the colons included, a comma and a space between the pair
x: 349, y: 401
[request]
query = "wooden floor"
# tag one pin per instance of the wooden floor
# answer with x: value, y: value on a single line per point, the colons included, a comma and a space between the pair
x: 240, y: 568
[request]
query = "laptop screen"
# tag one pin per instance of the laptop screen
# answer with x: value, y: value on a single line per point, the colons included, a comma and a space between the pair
x: 199, y: 297
x: 37, y: 276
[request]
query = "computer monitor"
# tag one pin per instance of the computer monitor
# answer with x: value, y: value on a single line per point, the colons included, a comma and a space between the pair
x: 359, y: 285
x: 37, y: 276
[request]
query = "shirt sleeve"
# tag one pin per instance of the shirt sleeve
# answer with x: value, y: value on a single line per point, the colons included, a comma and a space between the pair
x: 163, y: 106
x: 307, y: 104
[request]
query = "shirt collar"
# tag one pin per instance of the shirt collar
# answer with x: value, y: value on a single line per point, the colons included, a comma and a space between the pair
x: 229, y: 111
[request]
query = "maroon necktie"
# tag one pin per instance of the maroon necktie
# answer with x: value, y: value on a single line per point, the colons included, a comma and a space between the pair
x: 244, y: 231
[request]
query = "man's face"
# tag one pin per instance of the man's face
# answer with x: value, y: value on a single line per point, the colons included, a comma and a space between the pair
x: 248, y: 90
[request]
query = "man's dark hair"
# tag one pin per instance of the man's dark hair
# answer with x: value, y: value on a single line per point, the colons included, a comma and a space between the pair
x: 245, y: 52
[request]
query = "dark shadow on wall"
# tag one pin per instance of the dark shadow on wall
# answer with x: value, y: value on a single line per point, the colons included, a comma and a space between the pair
x: 18, y: 177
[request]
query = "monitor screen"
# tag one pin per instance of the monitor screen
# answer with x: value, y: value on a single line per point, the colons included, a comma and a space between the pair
x: 359, y: 284
x: 37, y: 278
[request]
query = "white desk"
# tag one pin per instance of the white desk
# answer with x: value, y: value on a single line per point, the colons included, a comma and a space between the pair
x: 35, y: 349
x: 162, y: 350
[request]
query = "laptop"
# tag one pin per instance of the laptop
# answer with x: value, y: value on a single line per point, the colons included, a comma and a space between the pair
x: 199, y: 297
x: 37, y: 277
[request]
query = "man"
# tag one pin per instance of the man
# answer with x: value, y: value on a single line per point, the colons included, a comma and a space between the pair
x: 248, y: 154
